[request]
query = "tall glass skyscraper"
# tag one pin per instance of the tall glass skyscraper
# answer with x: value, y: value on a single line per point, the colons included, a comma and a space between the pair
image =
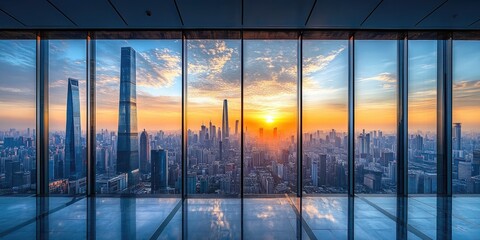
x: 457, y: 136
x: 73, y: 146
x: 127, y: 145
x: 159, y: 170
x: 144, y: 151
x: 225, y: 130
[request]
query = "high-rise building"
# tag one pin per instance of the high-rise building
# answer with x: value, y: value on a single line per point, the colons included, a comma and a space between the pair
x: 127, y: 144
x: 236, y: 127
x: 144, y: 152
x: 192, y: 183
x: 73, y: 146
x: 159, y: 170
x: 315, y: 173
x: 322, y: 173
x: 367, y: 143
x: 225, y: 128
x: 457, y: 136
x: 476, y: 162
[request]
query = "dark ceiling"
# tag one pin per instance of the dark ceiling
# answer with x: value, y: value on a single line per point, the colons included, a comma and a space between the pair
x: 238, y: 14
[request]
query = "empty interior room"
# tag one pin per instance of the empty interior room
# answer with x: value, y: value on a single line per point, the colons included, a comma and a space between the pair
x: 239, y: 119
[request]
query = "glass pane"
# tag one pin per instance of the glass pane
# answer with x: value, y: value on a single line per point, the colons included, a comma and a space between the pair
x: 325, y: 116
x: 375, y: 116
x: 466, y: 117
x: 270, y: 128
x: 422, y: 116
x: 139, y: 116
x: 17, y: 116
x: 213, y: 117
x: 67, y: 109
x: 270, y: 116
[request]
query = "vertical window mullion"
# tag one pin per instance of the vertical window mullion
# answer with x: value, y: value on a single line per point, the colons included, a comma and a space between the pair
x: 91, y: 114
x: 42, y: 115
x: 444, y: 138
x: 351, y: 135
x: 402, y: 137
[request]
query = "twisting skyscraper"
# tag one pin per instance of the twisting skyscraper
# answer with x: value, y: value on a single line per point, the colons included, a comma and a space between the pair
x: 127, y: 145
x: 73, y: 147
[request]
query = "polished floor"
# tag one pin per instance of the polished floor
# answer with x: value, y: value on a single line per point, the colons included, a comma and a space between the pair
x: 373, y: 217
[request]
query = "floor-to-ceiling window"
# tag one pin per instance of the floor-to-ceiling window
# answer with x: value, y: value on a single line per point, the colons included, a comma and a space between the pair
x: 17, y: 116
x: 375, y: 116
x: 67, y: 108
x: 325, y: 116
x: 422, y: 116
x: 325, y: 132
x: 213, y: 115
x: 466, y: 117
x: 138, y: 97
x: 270, y: 126
x: 18, y: 177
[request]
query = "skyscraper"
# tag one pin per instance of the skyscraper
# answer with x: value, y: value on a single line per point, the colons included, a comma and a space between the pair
x: 225, y: 131
x: 457, y: 136
x: 159, y: 170
x: 127, y: 144
x: 144, y: 151
x: 225, y: 128
x: 73, y: 146
x: 236, y: 127
x: 315, y: 173
x: 322, y: 173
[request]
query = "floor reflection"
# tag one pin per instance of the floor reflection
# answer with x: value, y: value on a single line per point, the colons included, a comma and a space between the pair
x: 322, y: 217
x: 213, y: 218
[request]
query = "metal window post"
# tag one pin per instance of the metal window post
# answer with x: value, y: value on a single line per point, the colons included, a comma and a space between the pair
x: 299, y: 117
x: 91, y: 115
x: 91, y: 136
x: 184, y: 139
x: 299, y: 132
x: 42, y: 154
x: 444, y: 138
x: 351, y: 135
x: 402, y: 137
x: 444, y: 118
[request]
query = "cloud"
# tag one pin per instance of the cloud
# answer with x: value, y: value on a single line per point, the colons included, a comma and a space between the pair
x: 317, y: 63
x: 12, y: 90
x: 385, y: 77
x: 386, y: 80
x: 466, y: 93
x: 158, y: 67
x: 20, y: 54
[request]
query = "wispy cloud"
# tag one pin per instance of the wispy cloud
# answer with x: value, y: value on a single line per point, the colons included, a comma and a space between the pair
x: 158, y: 67
x: 317, y: 63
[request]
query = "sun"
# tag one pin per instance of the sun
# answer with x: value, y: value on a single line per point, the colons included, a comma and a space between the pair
x: 269, y: 119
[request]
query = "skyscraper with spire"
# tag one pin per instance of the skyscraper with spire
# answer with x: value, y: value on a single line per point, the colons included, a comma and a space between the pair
x: 127, y: 144
x: 225, y: 131
x: 73, y: 146
x: 225, y: 128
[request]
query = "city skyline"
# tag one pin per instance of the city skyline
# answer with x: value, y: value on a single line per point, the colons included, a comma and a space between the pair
x: 159, y: 82
x: 269, y: 120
